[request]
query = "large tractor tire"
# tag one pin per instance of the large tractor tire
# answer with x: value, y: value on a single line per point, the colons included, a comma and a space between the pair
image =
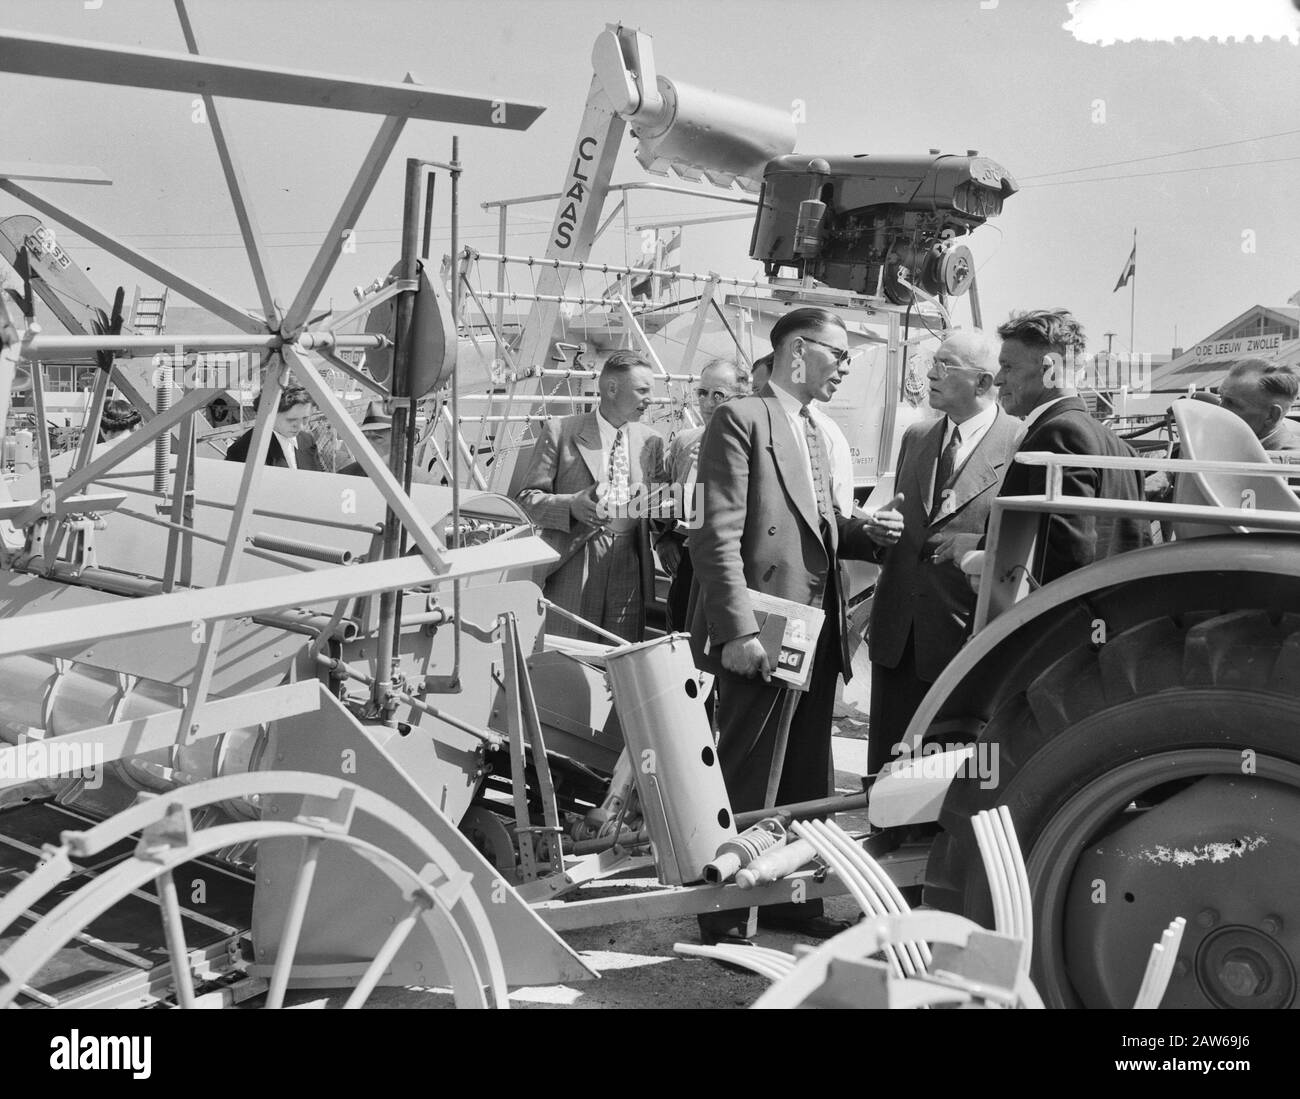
x: 1153, y: 775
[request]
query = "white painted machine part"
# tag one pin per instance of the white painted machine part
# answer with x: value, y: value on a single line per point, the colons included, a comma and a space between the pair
x: 913, y: 792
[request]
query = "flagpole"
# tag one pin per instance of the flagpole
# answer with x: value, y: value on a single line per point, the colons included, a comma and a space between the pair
x: 1132, y: 293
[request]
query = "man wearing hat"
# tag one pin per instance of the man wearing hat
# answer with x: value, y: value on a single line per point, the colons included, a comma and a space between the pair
x: 378, y: 430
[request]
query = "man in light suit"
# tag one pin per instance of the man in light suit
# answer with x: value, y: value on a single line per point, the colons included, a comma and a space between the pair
x: 770, y: 524
x: 292, y: 446
x: 591, y: 487
x: 948, y: 473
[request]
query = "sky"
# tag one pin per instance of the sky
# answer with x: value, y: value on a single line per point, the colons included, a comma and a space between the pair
x: 1194, y: 144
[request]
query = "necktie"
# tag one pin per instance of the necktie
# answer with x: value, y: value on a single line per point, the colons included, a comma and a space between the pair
x: 817, y: 459
x: 944, y: 471
x: 620, y: 490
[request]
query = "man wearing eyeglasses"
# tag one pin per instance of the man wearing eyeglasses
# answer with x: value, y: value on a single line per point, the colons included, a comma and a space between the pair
x: 841, y: 454
x: 948, y: 473
x: 720, y: 381
x: 770, y: 523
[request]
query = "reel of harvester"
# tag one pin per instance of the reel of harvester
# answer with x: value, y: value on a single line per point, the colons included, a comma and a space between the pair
x: 302, y: 814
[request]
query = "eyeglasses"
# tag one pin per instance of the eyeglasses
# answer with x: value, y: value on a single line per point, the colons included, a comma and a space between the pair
x: 715, y: 395
x: 842, y: 355
x: 943, y: 369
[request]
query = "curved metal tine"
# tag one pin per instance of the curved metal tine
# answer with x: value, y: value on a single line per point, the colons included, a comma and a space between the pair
x: 174, y: 930
x: 862, y: 892
x: 917, y: 953
x: 908, y: 957
x: 293, y: 922
x: 992, y: 870
x: 400, y: 933
x: 1022, y: 879
x: 998, y: 840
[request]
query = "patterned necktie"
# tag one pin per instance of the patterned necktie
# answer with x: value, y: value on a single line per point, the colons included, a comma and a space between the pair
x: 620, y: 488
x: 944, y: 471
x: 817, y: 459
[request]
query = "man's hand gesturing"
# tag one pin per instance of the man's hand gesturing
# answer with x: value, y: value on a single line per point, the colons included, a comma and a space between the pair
x: 746, y: 656
x: 584, y: 508
x: 884, y: 526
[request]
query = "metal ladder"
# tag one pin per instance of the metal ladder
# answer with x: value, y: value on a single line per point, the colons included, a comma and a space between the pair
x: 148, y: 313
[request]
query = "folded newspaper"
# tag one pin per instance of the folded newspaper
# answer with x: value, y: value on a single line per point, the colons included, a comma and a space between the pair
x: 792, y: 652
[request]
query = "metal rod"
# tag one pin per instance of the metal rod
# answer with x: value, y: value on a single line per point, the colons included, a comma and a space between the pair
x: 789, y: 701
x: 455, y: 406
x: 582, y: 622
x: 547, y: 372
x: 313, y: 551
x: 576, y: 398
x: 390, y: 613
x: 400, y: 933
x: 501, y: 280
x: 519, y: 419
x: 162, y: 446
x: 180, y: 528
x: 342, y: 667
x: 800, y: 810
x: 293, y: 922
x: 174, y: 932
x: 52, y: 345
x: 616, y: 269
x: 430, y: 180
x: 180, y: 547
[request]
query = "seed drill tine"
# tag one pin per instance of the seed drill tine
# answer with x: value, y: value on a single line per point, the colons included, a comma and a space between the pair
x: 518, y: 763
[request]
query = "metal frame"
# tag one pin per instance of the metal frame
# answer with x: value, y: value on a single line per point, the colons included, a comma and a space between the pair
x: 1013, y: 521
x: 280, y: 336
x: 436, y: 887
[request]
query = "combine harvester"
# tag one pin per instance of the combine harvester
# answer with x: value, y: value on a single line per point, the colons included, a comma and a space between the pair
x: 268, y: 730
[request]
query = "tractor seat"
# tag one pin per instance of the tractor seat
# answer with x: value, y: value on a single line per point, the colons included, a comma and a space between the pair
x: 1211, y: 434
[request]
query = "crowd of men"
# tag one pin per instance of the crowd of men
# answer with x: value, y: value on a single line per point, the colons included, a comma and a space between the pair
x: 758, y: 497
x: 766, y: 493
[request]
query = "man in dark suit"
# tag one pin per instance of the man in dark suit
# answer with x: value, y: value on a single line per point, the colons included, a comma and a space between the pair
x: 947, y: 476
x: 770, y: 524
x: 720, y: 381
x: 591, y: 486
x: 291, y: 445
x: 1036, y: 370
x: 377, y: 426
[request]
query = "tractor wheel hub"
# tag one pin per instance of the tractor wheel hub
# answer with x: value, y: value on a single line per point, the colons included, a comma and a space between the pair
x: 1201, y: 854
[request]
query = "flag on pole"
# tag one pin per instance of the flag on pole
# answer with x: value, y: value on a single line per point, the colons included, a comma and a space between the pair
x: 1130, y: 268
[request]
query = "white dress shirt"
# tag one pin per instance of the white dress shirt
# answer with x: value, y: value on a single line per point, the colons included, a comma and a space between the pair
x: 608, y: 433
x: 836, y: 446
x: 972, y: 431
x: 289, y: 448
x: 1037, y: 412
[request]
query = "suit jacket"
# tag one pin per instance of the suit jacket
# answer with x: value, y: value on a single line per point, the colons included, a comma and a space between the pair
x: 567, y: 460
x: 308, y: 454
x: 761, y: 529
x: 1068, y: 542
x: 679, y: 460
x: 914, y: 595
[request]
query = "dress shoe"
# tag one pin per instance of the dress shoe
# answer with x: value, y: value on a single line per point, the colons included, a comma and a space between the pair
x: 809, y: 927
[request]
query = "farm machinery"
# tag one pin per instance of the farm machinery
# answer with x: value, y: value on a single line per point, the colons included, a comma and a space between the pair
x: 266, y: 730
